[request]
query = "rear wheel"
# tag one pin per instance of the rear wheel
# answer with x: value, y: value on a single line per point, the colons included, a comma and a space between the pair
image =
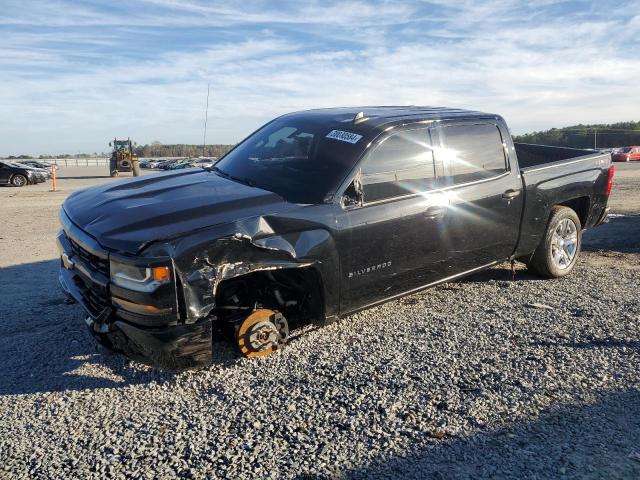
x: 558, y: 251
x: 19, y: 180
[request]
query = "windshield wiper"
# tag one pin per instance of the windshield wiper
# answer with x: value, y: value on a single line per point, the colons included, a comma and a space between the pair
x: 231, y: 177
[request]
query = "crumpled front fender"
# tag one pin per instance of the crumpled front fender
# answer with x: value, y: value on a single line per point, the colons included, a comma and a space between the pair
x: 208, y: 257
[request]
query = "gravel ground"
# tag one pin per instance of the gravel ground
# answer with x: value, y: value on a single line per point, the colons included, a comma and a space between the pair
x: 490, y: 377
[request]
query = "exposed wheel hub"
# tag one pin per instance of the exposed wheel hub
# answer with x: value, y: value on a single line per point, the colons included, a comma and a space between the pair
x: 262, y: 333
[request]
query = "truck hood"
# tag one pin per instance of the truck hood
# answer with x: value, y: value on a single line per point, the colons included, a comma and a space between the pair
x: 128, y: 214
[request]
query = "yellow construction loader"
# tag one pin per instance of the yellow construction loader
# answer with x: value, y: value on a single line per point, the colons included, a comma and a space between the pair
x: 122, y: 158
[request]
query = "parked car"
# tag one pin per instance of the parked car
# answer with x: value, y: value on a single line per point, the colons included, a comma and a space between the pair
x: 173, y: 163
x: 40, y: 166
x: 18, y: 175
x: 155, y: 163
x: 36, y: 164
x: 317, y: 215
x: 170, y: 165
x: 167, y: 164
x: 627, y: 154
x: 184, y: 163
x: 205, y: 162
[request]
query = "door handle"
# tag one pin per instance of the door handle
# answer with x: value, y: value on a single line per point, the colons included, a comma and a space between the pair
x: 435, y: 212
x: 510, y: 194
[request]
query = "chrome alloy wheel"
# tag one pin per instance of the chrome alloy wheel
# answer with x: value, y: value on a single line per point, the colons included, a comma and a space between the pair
x: 19, y: 181
x: 564, y: 243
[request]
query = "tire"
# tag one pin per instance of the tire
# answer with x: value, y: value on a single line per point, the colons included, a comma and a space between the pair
x: 558, y: 251
x: 19, y: 180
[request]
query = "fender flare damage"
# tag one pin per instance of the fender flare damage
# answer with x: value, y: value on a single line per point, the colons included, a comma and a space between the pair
x: 208, y: 257
x: 200, y: 282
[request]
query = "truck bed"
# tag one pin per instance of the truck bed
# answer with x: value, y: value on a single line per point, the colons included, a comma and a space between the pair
x: 560, y: 176
x: 530, y: 155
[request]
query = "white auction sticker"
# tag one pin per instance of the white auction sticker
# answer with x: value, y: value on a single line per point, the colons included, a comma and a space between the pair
x: 344, y: 136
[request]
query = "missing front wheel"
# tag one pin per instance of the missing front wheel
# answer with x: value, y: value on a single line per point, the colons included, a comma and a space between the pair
x: 262, y: 333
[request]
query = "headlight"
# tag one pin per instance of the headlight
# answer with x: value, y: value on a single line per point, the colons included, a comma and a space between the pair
x: 141, y: 279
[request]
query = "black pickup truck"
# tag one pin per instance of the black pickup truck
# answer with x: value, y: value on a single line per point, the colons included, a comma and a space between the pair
x: 314, y: 216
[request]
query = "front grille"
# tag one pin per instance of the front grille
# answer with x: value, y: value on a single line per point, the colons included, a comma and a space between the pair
x: 94, y: 301
x: 98, y: 264
x: 92, y: 288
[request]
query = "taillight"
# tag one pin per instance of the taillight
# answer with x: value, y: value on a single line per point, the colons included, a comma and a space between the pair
x: 610, y: 180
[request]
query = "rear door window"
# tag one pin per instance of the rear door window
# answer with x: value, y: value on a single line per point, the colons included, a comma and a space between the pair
x: 400, y: 164
x: 470, y: 152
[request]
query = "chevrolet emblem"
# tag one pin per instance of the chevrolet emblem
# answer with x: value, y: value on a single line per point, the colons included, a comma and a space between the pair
x: 67, y: 261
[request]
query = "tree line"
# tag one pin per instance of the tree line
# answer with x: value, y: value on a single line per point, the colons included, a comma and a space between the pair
x: 587, y: 136
x: 577, y: 136
x: 157, y: 149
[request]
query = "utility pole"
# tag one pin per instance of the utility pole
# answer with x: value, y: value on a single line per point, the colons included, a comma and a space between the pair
x: 206, y: 117
x: 595, y: 138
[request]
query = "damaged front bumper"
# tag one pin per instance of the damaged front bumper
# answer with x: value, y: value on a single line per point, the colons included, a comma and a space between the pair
x: 174, y: 346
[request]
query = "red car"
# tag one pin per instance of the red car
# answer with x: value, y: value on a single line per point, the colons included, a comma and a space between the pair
x: 627, y: 154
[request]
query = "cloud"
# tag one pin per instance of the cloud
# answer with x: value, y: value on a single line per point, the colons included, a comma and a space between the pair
x: 66, y: 89
x: 192, y: 13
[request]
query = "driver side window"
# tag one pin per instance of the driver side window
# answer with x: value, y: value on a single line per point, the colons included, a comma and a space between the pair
x: 401, y: 164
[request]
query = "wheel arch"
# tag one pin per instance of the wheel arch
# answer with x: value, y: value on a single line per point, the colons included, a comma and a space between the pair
x: 276, y: 289
x: 541, y: 261
x: 202, y: 265
x: 580, y: 205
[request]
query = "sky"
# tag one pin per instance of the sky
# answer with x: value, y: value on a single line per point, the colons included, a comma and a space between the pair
x: 74, y: 74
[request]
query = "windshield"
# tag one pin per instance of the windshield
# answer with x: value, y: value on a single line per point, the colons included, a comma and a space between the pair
x: 625, y: 150
x: 294, y: 158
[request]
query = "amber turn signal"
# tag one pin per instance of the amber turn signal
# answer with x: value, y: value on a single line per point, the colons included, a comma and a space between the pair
x: 139, y: 308
x: 161, y: 274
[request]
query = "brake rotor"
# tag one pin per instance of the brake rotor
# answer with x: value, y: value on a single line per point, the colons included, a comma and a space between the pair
x: 262, y: 333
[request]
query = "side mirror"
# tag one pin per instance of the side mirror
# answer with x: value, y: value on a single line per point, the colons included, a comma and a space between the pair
x: 349, y: 201
x: 353, y: 196
x: 109, y: 143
